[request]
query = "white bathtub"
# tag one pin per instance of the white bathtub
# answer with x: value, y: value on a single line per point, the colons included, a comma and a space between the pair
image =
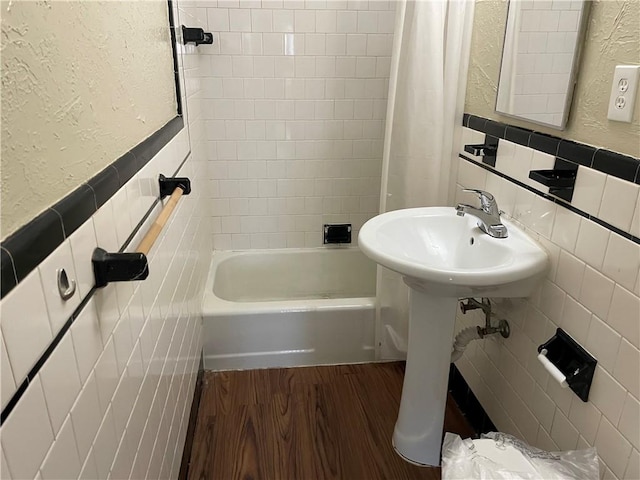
x: 289, y: 307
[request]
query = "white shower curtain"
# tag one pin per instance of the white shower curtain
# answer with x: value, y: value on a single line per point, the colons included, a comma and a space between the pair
x: 424, y: 115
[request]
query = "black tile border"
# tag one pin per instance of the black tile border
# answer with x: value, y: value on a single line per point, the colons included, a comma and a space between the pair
x: 620, y: 166
x: 577, y: 152
x: 468, y: 403
x: 76, y: 208
x: 33, y: 242
x: 36, y: 240
x: 555, y: 200
x: 104, y: 185
x: 606, y: 161
x: 544, y: 143
x: 22, y: 388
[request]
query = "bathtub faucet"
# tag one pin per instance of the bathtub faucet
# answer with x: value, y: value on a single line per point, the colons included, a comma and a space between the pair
x: 488, y: 214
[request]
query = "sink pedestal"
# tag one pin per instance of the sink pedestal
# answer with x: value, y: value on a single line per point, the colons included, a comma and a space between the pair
x: 442, y: 257
x: 418, y: 432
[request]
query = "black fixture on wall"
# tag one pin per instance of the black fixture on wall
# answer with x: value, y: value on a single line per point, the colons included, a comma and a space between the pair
x: 169, y: 184
x: 197, y: 36
x: 336, y: 233
x: 561, y: 180
x: 573, y: 361
x: 487, y: 150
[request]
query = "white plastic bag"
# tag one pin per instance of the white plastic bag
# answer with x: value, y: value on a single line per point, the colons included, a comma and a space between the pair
x: 463, y: 460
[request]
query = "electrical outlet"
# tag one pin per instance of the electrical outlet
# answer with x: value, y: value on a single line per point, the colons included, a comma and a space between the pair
x: 623, y: 93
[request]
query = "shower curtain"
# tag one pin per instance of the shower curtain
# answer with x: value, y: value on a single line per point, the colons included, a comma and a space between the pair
x: 424, y: 116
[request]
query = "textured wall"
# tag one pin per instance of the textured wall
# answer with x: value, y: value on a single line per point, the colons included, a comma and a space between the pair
x: 612, y: 38
x: 82, y: 83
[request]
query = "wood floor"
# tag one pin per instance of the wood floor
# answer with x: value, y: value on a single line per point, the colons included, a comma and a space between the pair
x: 305, y: 424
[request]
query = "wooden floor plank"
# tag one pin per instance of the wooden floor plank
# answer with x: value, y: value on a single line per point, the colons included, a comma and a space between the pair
x: 310, y: 423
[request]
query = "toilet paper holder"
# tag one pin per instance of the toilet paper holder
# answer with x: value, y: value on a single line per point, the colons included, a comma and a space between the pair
x: 562, y: 356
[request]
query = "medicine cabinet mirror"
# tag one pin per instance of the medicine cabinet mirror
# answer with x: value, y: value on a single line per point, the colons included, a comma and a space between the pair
x: 540, y: 59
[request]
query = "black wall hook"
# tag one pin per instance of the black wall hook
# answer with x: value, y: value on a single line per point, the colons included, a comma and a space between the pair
x: 196, y: 35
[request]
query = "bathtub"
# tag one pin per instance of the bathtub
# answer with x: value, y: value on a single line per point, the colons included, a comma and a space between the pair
x: 289, y: 307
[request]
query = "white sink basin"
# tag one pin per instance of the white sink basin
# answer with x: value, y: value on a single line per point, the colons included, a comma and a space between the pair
x: 442, y: 257
x: 447, y: 255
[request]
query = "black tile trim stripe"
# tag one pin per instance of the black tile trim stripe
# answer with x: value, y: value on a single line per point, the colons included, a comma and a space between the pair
x: 468, y: 403
x: 557, y: 201
x: 22, y: 388
x: 36, y: 240
x: 606, y: 161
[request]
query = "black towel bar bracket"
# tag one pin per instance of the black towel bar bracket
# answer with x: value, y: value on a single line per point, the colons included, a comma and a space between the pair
x: 169, y: 184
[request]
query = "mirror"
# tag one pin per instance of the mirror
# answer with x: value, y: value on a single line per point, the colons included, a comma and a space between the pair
x: 539, y: 59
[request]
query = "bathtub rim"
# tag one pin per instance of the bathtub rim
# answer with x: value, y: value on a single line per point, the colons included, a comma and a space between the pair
x: 214, y: 305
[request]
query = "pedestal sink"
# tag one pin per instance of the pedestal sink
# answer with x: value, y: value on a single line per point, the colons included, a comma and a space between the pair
x: 442, y: 257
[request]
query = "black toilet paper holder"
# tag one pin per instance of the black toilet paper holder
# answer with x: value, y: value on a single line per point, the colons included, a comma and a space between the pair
x: 575, y: 363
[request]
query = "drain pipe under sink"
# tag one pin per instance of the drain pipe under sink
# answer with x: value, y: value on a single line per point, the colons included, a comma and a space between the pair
x: 462, y: 340
x: 469, y: 334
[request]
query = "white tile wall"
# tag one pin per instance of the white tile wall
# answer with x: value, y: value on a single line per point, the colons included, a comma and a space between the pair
x: 60, y: 382
x: 8, y: 385
x: 27, y: 434
x: 589, y: 292
x: 25, y: 325
x: 293, y: 98
x: 96, y: 410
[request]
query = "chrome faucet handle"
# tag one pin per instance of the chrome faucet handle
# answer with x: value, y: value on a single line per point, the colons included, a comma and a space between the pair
x: 487, y: 200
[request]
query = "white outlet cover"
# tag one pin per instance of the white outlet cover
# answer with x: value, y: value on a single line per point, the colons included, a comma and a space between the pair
x: 623, y: 93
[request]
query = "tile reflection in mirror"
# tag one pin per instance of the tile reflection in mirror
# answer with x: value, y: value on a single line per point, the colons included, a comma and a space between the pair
x: 539, y: 59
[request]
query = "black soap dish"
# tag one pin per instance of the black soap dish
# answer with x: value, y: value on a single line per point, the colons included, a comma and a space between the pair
x: 573, y: 361
x: 487, y: 150
x: 336, y: 233
x: 554, y: 178
x: 561, y: 179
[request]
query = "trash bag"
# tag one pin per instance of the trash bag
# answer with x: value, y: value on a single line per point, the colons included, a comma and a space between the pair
x: 465, y: 460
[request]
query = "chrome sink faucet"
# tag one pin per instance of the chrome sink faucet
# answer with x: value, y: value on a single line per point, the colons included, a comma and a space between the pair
x: 488, y: 214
